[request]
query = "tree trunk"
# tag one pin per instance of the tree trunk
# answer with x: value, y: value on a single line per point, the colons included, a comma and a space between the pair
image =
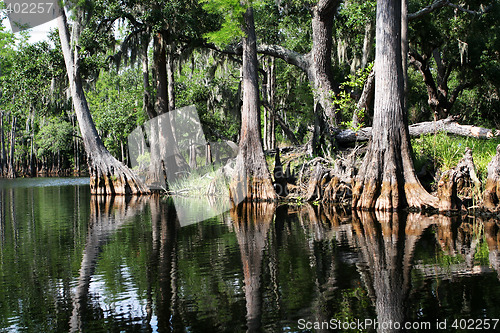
x: 365, y: 100
x: 12, y: 166
x: 107, y: 175
x: 427, y: 127
x: 271, y: 87
x: 147, y: 104
x: 491, y: 198
x: 251, y: 180
x: 286, y: 129
x: 160, y: 62
x: 440, y: 99
x: 387, y: 179
x: 320, y: 73
x: 162, y: 132
x: 3, y: 152
x: 170, y: 77
x: 367, y: 43
x: 192, y: 156
x: 317, y: 65
x: 208, y: 154
x: 461, y: 180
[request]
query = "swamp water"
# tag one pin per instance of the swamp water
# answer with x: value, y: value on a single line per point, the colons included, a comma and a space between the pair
x: 70, y: 262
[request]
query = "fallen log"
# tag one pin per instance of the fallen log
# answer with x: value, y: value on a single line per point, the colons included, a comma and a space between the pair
x: 448, y: 125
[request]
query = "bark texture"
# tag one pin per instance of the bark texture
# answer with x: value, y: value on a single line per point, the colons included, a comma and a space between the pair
x: 108, y: 176
x: 387, y: 179
x: 317, y: 64
x: 320, y: 69
x: 251, y: 180
x: 491, y: 199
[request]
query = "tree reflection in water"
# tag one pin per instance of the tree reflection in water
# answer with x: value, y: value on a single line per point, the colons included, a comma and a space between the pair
x: 492, y: 233
x: 251, y: 224
x: 107, y: 215
x: 386, y: 249
x: 257, y: 268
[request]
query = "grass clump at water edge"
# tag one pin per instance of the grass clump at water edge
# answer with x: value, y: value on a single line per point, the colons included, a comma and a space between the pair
x: 444, y: 151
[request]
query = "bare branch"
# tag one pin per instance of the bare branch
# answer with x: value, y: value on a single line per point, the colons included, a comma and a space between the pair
x: 289, y: 56
x: 468, y: 11
x: 442, y: 3
x: 428, y: 9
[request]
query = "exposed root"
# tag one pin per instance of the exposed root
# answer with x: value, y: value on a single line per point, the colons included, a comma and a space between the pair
x: 319, y: 178
x: 417, y: 197
x: 460, y: 180
x: 389, y: 183
x: 251, y: 189
x: 492, y: 191
x: 108, y: 176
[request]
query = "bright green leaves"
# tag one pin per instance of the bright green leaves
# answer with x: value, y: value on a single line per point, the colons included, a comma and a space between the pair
x: 231, y: 12
x: 231, y: 18
x: 345, y: 101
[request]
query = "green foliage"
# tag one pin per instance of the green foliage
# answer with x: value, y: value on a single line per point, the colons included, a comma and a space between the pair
x: 232, y: 20
x: 446, y: 151
x: 116, y: 106
x: 286, y: 23
x: 27, y: 81
x: 345, y: 101
x: 467, y: 43
x: 212, y: 85
x: 54, y: 136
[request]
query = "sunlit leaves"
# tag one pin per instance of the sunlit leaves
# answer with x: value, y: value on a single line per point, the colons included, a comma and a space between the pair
x: 231, y: 12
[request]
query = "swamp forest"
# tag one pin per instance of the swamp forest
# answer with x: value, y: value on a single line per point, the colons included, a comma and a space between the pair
x: 250, y: 165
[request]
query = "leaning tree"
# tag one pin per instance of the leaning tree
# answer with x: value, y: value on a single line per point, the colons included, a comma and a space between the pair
x: 108, y: 176
x: 387, y: 178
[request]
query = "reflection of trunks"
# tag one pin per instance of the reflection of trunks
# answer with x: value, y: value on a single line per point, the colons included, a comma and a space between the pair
x: 169, y: 148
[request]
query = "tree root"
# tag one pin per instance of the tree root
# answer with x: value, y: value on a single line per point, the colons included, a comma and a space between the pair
x: 491, y: 197
x: 459, y: 180
x: 108, y: 176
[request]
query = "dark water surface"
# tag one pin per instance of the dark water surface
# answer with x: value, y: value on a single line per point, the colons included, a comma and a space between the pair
x: 73, y: 263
